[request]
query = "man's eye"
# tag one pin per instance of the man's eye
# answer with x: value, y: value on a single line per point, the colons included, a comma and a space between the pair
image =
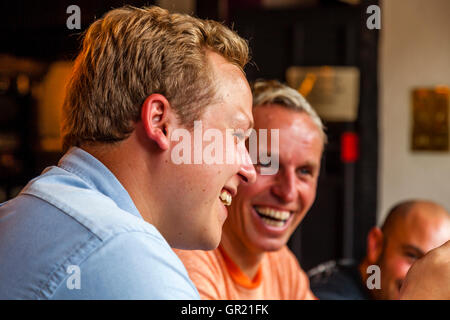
x: 411, y: 255
x: 304, y: 171
x: 240, y: 134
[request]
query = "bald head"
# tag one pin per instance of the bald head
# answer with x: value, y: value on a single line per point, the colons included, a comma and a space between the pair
x: 414, y: 210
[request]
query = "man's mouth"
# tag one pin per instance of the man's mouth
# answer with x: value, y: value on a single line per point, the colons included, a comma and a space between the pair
x: 225, y: 197
x: 273, y: 217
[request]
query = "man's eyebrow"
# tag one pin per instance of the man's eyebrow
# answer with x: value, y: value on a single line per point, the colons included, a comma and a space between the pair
x: 414, y: 248
x: 310, y: 164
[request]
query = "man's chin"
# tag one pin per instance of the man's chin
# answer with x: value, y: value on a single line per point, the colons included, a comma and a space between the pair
x: 392, y: 294
x: 270, y: 245
x: 204, y: 243
x: 211, y: 242
x: 209, y: 246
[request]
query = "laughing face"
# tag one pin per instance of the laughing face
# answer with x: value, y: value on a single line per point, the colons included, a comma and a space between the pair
x: 200, y: 194
x: 264, y: 215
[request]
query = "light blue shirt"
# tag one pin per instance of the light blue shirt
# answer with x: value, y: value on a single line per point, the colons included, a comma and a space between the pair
x: 74, y: 233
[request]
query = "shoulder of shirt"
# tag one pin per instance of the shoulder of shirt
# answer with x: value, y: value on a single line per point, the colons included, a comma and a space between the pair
x: 283, y: 256
x: 329, y: 269
x: 337, y: 280
x: 99, y: 226
x: 145, y: 272
x: 199, y: 259
x: 87, y: 206
x: 207, y: 270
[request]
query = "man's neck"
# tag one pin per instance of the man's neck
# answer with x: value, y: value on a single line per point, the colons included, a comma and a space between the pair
x: 362, y: 268
x: 247, y: 260
x: 120, y: 159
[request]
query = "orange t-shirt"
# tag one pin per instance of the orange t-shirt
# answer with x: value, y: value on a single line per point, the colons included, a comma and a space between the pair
x: 217, y: 277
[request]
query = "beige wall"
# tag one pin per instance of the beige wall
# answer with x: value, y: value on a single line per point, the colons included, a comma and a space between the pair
x: 414, y: 51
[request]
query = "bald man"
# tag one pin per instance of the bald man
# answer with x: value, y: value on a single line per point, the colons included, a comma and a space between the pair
x: 429, y: 277
x: 411, y: 229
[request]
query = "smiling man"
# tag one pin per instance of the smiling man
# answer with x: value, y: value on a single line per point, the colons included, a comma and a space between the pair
x: 253, y: 261
x: 411, y: 229
x: 101, y: 224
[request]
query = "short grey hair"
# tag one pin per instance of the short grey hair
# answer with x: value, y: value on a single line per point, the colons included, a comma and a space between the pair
x: 274, y: 92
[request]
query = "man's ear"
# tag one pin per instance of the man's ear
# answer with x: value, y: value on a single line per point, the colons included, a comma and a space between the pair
x: 155, y: 117
x: 375, y: 241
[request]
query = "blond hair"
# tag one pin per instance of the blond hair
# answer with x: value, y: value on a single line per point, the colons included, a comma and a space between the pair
x: 274, y: 92
x: 132, y: 53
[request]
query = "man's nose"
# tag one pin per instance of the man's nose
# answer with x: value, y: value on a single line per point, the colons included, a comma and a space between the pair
x: 247, y: 171
x: 285, y: 187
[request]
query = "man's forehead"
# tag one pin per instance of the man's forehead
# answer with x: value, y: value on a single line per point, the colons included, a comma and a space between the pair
x: 221, y: 66
x: 421, y: 231
x: 288, y: 122
x: 309, y: 152
x: 277, y: 115
x: 232, y: 88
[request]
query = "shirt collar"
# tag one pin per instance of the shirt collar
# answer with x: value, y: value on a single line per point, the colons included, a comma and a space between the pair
x: 98, y: 176
x: 236, y: 273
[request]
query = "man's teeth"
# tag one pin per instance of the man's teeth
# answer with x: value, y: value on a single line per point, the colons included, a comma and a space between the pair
x: 225, y: 197
x: 281, y: 215
x: 274, y: 223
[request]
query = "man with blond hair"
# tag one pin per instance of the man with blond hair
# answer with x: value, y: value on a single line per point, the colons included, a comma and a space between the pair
x: 101, y: 224
x: 252, y: 260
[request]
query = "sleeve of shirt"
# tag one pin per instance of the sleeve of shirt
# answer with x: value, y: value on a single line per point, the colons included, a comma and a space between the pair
x: 205, y: 272
x: 131, y: 265
x: 299, y: 282
x: 307, y: 293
